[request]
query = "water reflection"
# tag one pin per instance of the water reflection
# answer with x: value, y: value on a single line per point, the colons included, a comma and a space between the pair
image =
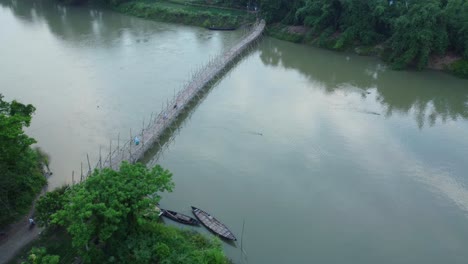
x: 88, y: 26
x: 428, y: 96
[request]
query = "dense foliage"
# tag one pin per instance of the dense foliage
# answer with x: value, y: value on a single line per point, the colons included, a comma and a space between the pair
x: 412, y: 30
x: 21, y: 175
x: 49, y: 204
x: 112, y: 217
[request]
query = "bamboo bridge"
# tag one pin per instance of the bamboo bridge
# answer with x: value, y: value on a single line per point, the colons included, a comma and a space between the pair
x: 150, y: 135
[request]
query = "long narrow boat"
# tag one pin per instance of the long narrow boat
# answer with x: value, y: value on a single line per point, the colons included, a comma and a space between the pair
x: 213, y: 224
x: 178, y: 217
x: 222, y: 28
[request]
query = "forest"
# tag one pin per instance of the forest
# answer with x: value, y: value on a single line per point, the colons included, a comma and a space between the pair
x: 410, y: 30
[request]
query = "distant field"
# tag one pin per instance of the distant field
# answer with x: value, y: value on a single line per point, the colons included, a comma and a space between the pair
x: 195, y: 6
x: 181, y: 11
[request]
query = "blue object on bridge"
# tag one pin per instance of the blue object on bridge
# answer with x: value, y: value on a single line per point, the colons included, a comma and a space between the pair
x: 137, y: 141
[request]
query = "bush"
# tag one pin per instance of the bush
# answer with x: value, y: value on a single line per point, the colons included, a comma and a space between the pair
x: 49, y: 204
x: 459, y: 68
x: 39, y: 256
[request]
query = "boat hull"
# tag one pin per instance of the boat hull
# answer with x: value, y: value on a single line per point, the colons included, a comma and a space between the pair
x: 213, y: 224
x: 178, y: 217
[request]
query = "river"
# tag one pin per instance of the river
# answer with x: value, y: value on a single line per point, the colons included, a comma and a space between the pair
x: 326, y: 157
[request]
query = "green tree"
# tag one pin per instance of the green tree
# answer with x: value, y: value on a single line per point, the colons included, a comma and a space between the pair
x: 456, y: 12
x: 20, y: 170
x: 110, y: 206
x: 418, y: 33
x: 49, y: 204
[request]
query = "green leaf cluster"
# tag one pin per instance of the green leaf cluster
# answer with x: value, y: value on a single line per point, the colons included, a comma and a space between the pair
x: 40, y: 256
x: 49, y: 204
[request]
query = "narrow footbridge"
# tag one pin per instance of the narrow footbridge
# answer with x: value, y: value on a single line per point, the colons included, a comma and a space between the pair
x: 150, y: 135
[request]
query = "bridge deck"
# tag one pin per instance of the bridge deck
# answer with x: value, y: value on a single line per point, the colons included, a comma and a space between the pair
x: 156, y: 127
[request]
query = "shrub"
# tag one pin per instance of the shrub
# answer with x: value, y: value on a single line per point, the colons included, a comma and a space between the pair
x: 459, y: 68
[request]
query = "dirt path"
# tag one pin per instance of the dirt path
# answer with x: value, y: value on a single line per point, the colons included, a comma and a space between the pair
x: 19, y: 234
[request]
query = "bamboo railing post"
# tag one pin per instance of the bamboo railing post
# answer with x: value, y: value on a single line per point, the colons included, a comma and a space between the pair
x: 130, y: 146
x: 143, y: 134
x: 89, y: 164
x: 110, y: 153
x: 100, y: 158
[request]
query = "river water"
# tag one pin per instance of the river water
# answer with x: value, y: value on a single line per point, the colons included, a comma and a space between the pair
x: 326, y: 157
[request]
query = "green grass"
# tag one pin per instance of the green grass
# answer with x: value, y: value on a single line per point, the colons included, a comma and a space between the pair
x: 176, y: 12
x: 280, y: 31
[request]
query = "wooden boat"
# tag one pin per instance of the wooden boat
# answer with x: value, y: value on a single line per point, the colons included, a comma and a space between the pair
x: 222, y: 28
x: 213, y: 224
x: 178, y: 217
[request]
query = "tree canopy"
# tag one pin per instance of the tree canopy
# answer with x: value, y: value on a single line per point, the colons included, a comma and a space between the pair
x: 20, y: 167
x: 110, y: 205
x: 412, y: 30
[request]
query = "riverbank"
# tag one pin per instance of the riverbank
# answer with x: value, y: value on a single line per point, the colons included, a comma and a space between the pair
x: 133, y: 229
x: 450, y: 63
x: 187, y: 14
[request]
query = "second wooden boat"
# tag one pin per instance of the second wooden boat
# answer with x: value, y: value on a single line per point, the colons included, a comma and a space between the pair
x: 213, y: 224
x: 178, y: 217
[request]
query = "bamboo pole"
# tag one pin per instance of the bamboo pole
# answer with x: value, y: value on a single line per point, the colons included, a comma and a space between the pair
x: 143, y: 134
x: 100, y: 158
x: 110, y: 153
x: 130, y: 146
x: 89, y: 164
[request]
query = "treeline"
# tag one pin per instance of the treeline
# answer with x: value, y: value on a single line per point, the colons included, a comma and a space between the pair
x: 411, y: 30
x: 21, y: 167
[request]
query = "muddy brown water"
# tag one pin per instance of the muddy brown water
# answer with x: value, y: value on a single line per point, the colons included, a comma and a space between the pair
x: 327, y: 157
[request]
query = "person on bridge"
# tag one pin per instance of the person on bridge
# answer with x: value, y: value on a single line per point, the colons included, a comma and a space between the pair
x: 137, y: 141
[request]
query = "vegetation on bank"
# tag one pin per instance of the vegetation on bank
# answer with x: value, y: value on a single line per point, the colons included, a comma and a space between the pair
x: 21, y: 167
x: 404, y: 33
x: 410, y: 32
x: 459, y: 68
x: 112, y: 218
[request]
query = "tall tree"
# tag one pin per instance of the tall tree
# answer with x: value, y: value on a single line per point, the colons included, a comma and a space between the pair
x: 418, y: 32
x: 110, y: 206
x: 20, y: 171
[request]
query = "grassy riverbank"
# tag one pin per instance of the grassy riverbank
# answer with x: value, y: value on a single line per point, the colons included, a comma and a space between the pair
x: 189, y: 14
